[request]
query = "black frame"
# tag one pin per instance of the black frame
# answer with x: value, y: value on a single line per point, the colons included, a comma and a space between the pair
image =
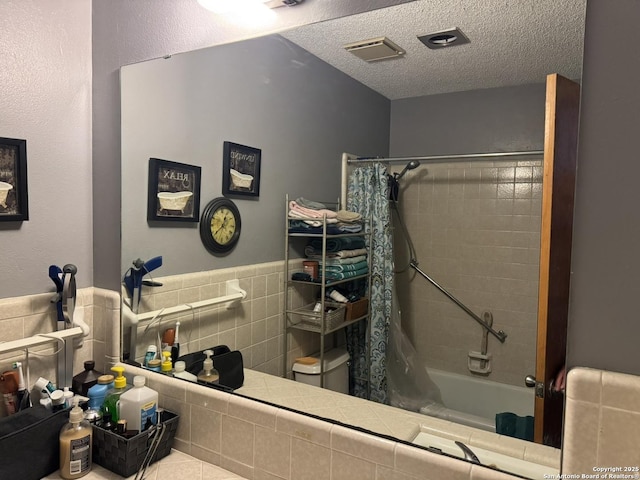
x: 205, y: 226
x: 166, y: 176
x: 13, y: 171
x: 246, y: 161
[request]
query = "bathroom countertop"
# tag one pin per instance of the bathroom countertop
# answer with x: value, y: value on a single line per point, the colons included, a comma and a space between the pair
x: 176, y: 466
x: 384, y: 419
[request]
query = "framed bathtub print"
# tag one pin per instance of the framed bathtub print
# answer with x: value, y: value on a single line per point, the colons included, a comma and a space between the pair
x: 240, y: 170
x: 14, y: 203
x: 174, y: 191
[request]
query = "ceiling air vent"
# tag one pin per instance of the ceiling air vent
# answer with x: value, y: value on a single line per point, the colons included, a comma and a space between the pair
x: 375, y: 49
x: 443, y: 39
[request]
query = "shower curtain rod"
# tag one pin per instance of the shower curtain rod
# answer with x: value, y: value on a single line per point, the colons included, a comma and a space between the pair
x: 441, y: 158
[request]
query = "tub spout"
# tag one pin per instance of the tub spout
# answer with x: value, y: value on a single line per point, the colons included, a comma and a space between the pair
x: 468, y: 454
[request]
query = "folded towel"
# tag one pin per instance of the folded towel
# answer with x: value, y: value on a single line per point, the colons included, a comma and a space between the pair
x: 311, y: 252
x: 342, y: 275
x: 337, y: 244
x: 303, y: 226
x: 349, y: 227
x: 349, y: 267
x: 349, y: 217
x: 305, y: 218
x: 310, y: 212
x: 303, y: 202
x: 340, y: 261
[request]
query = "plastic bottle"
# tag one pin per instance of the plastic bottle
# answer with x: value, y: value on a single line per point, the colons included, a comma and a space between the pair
x: 82, y: 382
x: 24, y: 398
x: 9, y: 390
x: 138, y: 405
x: 68, y: 397
x: 98, y: 391
x: 181, y: 372
x: 76, y: 439
x: 167, y: 365
x: 152, y: 351
x: 208, y: 374
x: 112, y: 396
x: 57, y: 400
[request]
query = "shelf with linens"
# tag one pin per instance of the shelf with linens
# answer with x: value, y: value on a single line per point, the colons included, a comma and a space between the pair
x: 326, y: 286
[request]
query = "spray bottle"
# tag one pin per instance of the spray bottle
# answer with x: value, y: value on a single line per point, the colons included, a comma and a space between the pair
x: 76, y: 439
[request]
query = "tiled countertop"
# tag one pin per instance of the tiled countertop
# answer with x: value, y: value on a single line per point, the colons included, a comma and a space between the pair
x: 176, y: 466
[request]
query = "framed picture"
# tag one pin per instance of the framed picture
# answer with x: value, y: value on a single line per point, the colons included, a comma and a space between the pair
x: 174, y: 191
x: 14, y: 202
x: 240, y: 170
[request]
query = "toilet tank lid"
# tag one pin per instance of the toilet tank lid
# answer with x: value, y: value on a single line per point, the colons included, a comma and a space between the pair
x: 332, y: 360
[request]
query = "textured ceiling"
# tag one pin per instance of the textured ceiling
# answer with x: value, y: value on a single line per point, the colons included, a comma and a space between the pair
x: 513, y: 42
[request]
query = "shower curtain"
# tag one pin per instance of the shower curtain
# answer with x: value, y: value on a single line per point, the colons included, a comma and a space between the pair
x: 368, y: 195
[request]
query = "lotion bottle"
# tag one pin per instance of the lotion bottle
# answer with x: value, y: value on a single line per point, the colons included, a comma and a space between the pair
x: 208, y: 374
x: 76, y: 440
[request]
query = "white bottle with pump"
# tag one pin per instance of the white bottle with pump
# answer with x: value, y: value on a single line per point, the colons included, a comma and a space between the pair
x: 138, y: 405
x: 76, y: 440
x: 208, y: 374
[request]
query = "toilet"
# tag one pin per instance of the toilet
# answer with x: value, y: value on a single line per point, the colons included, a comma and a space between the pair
x: 336, y: 371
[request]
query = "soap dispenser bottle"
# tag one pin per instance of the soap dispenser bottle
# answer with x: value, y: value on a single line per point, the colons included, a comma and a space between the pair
x: 112, y: 396
x: 208, y: 374
x: 167, y: 365
x: 76, y: 443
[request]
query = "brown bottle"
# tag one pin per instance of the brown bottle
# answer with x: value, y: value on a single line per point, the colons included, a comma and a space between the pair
x: 76, y: 443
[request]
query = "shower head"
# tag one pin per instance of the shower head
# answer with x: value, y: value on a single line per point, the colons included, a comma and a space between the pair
x: 410, y: 166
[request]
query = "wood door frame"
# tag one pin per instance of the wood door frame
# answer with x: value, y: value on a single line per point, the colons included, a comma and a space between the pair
x: 558, y: 190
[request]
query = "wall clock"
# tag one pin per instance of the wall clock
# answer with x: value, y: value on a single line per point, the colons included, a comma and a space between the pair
x: 220, y: 226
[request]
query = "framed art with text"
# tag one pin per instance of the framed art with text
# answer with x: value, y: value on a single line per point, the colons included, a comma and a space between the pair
x: 240, y: 170
x: 174, y: 191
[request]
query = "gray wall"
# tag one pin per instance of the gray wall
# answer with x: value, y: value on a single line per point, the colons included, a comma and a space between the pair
x: 266, y: 93
x: 491, y: 120
x: 45, y: 98
x: 125, y: 32
x: 604, y: 325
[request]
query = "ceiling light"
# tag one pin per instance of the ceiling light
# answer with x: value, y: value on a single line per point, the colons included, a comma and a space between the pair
x: 443, y: 39
x: 241, y: 12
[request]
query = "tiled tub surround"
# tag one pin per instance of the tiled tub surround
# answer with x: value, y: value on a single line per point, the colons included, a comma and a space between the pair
x: 22, y: 317
x: 476, y: 231
x: 255, y: 326
x: 261, y: 441
x: 602, y: 423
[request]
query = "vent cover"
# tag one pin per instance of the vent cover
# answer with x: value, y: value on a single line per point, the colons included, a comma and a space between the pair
x: 443, y: 39
x: 375, y: 49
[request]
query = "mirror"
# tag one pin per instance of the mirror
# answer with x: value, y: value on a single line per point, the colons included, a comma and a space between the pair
x: 302, y: 100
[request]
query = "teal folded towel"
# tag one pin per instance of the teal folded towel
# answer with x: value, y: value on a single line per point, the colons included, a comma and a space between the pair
x: 513, y: 425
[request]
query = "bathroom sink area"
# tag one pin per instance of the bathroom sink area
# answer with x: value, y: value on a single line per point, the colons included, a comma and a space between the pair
x: 488, y: 458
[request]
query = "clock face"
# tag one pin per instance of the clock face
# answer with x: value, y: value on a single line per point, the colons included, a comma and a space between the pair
x: 223, y: 225
x: 220, y: 226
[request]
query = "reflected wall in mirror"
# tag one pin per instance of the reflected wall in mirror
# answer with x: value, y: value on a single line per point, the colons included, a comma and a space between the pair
x: 303, y: 100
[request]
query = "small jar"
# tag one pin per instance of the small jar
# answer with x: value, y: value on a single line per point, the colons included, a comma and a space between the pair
x: 310, y: 267
x: 155, y: 365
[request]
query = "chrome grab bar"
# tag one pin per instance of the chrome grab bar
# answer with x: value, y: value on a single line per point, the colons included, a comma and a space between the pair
x: 500, y: 335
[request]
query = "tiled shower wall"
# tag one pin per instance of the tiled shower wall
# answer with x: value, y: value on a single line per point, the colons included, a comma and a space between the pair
x: 254, y: 326
x: 476, y: 231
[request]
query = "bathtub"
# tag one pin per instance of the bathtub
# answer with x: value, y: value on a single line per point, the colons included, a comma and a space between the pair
x: 475, y: 401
